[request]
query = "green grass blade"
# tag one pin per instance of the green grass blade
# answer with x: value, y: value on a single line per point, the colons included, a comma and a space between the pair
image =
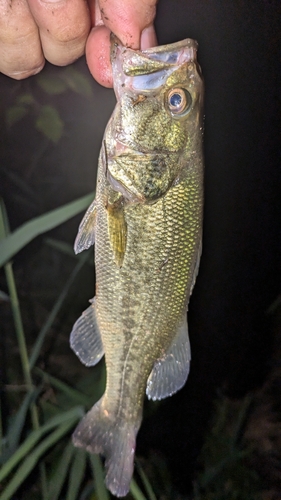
x: 10, y: 245
x: 1, y: 430
x: 76, y: 396
x: 4, y: 224
x: 16, y: 426
x: 30, y: 462
x: 53, y: 314
x: 135, y: 491
x: 88, y: 492
x: 102, y: 493
x: 59, y: 476
x: 66, y: 249
x: 65, y: 417
x: 146, y: 483
x: 77, y: 474
x: 62, y: 247
x: 4, y: 230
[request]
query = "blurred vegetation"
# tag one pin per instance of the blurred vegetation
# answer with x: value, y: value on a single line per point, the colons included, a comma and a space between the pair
x: 46, y: 117
x: 45, y: 395
x: 225, y: 469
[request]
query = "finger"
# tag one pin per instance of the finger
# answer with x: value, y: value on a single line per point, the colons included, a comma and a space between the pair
x: 133, y: 24
x: 148, y: 38
x: 98, y: 52
x: 128, y: 18
x: 63, y: 26
x: 20, y: 47
x: 98, y: 55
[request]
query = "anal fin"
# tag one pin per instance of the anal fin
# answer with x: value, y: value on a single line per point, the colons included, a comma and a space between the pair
x: 85, y: 339
x: 86, y: 232
x: 170, y: 373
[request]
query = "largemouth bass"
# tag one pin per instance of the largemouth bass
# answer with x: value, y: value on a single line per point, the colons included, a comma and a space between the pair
x: 146, y: 222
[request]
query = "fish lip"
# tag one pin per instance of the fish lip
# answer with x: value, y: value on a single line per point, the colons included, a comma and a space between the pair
x: 190, y: 45
x: 187, y: 42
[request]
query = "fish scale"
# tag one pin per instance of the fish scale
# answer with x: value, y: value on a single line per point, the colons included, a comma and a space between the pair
x: 147, y: 219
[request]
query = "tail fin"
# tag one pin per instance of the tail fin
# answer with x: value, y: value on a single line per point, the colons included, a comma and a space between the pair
x: 116, y: 441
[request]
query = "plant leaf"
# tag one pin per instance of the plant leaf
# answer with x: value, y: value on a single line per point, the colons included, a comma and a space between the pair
x: 15, y: 113
x: 49, y: 123
x: 59, y: 476
x: 53, y: 314
x: 61, y: 246
x: 16, y: 425
x: 62, y: 418
x: 102, y: 493
x: 31, y: 460
x: 14, y: 242
x: 77, y: 473
x: 25, y: 99
x: 77, y: 82
x: 73, y: 394
x: 52, y: 84
x: 134, y: 490
x: 146, y: 483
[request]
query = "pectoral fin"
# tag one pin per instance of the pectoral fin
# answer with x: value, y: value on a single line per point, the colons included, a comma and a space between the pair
x: 86, y: 232
x: 85, y: 339
x: 117, y: 230
x: 170, y: 373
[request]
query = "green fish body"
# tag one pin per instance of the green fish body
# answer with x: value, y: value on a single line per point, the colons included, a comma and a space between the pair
x: 146, y: 222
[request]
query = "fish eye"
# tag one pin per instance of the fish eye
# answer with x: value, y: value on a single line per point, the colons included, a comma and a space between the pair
x: 178, y: 101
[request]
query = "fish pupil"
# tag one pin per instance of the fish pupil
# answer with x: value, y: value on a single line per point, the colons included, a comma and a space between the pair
x: 175, y: 100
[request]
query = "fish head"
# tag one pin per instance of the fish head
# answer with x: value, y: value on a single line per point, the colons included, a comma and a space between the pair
x: 159, y: 108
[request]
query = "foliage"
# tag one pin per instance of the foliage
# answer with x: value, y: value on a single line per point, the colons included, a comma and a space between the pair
x: 225, y: 471
x: 46, y: 117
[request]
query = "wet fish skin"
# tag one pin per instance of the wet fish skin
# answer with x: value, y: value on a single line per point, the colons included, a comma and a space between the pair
x: 147, y: 220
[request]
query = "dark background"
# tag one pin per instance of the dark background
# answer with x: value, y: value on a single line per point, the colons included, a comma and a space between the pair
x: 230, y: 330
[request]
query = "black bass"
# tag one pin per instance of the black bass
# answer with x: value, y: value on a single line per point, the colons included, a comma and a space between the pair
x: 146, y: 223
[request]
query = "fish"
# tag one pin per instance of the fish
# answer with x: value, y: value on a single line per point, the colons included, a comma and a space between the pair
x: 146, y: 224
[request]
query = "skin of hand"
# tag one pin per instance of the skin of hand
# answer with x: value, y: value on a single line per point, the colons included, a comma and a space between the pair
x: 60, y: 31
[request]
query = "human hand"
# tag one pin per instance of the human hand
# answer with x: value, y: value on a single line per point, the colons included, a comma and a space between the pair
x: 59, y: 30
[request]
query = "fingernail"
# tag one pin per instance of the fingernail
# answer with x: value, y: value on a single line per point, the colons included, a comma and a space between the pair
x: 148, y: 38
